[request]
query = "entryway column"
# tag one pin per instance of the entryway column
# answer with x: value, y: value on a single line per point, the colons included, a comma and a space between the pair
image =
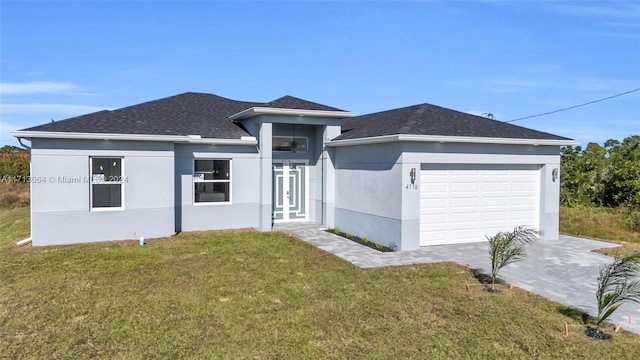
x: 549, y: 201
x: 266, y: 176
x: 328, y: 177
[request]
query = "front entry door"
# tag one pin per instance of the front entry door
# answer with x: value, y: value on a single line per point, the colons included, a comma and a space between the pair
x: 290, y: 190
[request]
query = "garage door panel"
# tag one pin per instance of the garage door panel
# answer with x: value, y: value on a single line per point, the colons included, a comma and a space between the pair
x: 464, y: 217
x: 464, y: 201
x: 464, y: 174
x: 521, y: 186
x: 435, y: 219
x: 436, y: 188
x: 518, y: 215
x: 467, y: 202
x: 495, y: 200
x: 436, y: 176
x: 435, y: 236
x: 495, y: 216
x: 464, y: 187
x: 490, y: 231
x: 523, y: 200
x: 465, y: 235
x: 435, y: 203
x: 495, y: 186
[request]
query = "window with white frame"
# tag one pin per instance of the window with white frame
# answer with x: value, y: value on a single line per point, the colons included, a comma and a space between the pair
x: 107, y: 182
x: 212, y: 181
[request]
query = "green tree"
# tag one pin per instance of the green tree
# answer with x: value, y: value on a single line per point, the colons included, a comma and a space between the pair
x: 14, y: 164
x: 602, y: 176
x: 9, y: 149
x: 583, y: 175
x: 623, y: 187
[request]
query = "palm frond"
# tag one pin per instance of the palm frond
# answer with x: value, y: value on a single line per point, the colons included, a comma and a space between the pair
x: 508, y: 247
x: 617, y: 284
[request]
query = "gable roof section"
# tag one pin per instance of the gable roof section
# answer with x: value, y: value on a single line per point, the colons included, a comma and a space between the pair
x: 290, y: 102
x: 431, y: 120
x: 206, y: 115
x: 184, y: 114
x: 292, y: 106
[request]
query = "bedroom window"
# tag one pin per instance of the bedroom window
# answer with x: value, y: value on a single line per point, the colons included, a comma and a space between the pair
x: 212, y: 181
x: 107, y: 182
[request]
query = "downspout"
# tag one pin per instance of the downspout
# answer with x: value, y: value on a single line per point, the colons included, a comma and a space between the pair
x: 23, y: 145
x: 24, y: 241
x: 27, y: 240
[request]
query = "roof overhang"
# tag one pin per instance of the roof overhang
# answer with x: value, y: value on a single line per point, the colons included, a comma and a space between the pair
x: 450, y: 139
x: 194, y: 139
x: 255, y: 111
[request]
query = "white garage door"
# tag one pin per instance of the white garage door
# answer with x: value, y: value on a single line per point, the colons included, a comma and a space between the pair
x: 463, y: 203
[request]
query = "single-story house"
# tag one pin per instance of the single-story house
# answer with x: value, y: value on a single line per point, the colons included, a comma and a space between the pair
x: 409, y: 177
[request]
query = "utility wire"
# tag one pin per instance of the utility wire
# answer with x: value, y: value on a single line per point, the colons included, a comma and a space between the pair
x: 575, y: 106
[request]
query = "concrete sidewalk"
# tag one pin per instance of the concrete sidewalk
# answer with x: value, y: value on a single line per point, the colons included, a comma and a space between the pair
x: 564, y: 270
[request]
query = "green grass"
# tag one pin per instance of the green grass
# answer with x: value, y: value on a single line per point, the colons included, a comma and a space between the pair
x: 245, y: 294
x: 604, y: 224
x: 14, y: 194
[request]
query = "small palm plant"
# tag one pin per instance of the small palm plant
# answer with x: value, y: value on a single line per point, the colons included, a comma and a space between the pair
x: 618, y: 282
x: 508, y: 247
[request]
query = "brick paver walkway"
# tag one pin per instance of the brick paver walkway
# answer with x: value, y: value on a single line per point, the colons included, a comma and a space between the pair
x: 564, y: 270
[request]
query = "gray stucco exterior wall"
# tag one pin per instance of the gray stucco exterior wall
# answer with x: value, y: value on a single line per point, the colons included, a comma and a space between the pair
x: 368, y: 192
x: 60, y: 191
x: 244, y: 208
x: 373, y: 199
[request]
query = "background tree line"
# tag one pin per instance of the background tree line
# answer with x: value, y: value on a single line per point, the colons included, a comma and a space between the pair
x: 602, y: 176
x: 14, y: 162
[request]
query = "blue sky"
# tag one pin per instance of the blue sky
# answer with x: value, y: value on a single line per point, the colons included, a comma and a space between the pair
x: 508, y: 58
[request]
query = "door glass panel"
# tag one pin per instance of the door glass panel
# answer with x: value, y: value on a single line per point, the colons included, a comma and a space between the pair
x: 289, y: 191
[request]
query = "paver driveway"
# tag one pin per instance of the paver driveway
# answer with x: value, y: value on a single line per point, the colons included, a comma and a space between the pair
x: 564, y: 270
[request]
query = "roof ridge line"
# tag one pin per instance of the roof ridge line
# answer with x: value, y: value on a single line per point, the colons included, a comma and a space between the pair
x: 413, y: 119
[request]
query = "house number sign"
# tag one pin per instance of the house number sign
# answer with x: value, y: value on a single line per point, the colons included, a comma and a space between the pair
x: 412, y: 180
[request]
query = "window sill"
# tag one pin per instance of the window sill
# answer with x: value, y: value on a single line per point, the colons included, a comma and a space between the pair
x: 212, y: 203
x: 106, y: 209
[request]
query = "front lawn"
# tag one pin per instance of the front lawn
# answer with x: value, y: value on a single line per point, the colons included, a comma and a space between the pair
x: 245, y: 294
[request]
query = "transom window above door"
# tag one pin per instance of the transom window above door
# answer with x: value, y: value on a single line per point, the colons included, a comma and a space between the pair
x: 298, y: 144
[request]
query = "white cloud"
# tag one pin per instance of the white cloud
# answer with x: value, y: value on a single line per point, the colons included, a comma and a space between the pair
x: 618, y: 35
x: 580, y: 84
x: 612, y: 9
x: 38, y: 87
x: 5, y: 133
x: 591, y: 134
x: 65, y: 109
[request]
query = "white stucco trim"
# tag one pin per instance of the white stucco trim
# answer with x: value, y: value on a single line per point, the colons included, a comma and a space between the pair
x: 194, y: 139
x: 255, y: 111
x: 449, y: 139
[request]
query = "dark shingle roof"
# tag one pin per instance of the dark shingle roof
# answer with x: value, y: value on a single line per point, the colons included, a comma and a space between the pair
x: 290, y: 102
x: 207, y: 115
x: 185, y: 114
x: 426, y: 119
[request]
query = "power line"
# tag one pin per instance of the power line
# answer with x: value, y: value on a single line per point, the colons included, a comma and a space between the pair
x: 574, y: 106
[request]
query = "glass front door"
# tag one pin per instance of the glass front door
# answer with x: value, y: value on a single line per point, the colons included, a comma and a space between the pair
x: 290, y: 191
